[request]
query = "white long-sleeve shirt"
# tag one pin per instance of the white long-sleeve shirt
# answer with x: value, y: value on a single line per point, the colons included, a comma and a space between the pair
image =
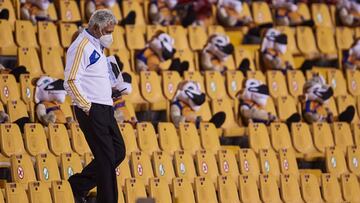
x: 87, y: 78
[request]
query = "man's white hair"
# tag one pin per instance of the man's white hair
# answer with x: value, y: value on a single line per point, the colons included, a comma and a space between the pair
x: 102, y: 18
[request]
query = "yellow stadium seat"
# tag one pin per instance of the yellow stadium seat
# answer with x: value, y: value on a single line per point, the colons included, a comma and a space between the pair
x: 29, y: 58
x: 129, y: 137
x: 77, y: 139
x: 151, y: 90
x: 170, y: 81
x: 330, y: 188
x: 189, y: 138
x: 141, y: 166
x: 310, y: 188
x: 306, y: 41
x: 206, y: 165
x: 151, y: 30
x: 195, y: 76
x: 325, y: 41
x: 163, y: 167
x: 35, y: 139
x: 179, y: 34
x: 302, y: 140
x: 204, y: 111
x: 215, y: 85
x: 335, y: 161
x: 135, y: 97
x: 7, y: 44
x: 234, y: 82
x: 230, y: 126
x: 46, y: 168
x: 52, y: 63
x: 184, y: 165
x: 61, y: 192
x: 280, y: 136
x: 322, y: 136
x: 289, y: 188
x: 205, y: 190
x: 134, y: 37
x: 39, y: 192
x: 159, y: 190
x: 248, y: 163
x: 26, y: 88
x: 277, y: 83
x: 317, y: 70
x: 119, y: 41
x: 353, y: 82
x: 258, y: 75
x: 189, y: 56
x: 11, y: 140
x: 9, y: 88
x: 269, y: 190
x: 258, y: 137
x: 69, y: 11
x: 350, y: 187
x: 261, y: 13
x: 288, y: 164
x: 337, y: 81
x: 321, y: 15
x: 197, y: 37
x: 182, y: 191
x: 209, y: 137
x: 22, y: 170
x: 16, y: 110
x: 48, y: 35
x: 344, y: 37
x: 25, y: 34
x: 286, y: 107
x: 14, y: 193
x: 248, y: 189
x: 295, y: 82
x: 123, y: 172
x: 228, y: 165
x: 215, y: 29
x: 356, y: 133
x: 290, y: 33
x: 67, y: 108
x: 241, y: 53
x: 343, y: 102
x: 227, y: 190
x: 168, y: 138
x: 147, y: 138
x: 352, y: 158
x: 128, y: 6
x: 70, y: 164
x: 342, y: 135
x: 134, y: 189
x: 67, y: 31
x: 269, y: 163
x: 7, y: 4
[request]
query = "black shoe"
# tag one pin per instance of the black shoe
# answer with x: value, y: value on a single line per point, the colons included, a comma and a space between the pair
x: 347, y: 115
x: 218, y: 119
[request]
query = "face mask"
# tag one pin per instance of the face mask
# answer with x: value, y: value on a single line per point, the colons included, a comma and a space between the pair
x: 106, y: 40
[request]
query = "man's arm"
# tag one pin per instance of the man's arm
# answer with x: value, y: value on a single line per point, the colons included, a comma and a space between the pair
x: 74, y: 70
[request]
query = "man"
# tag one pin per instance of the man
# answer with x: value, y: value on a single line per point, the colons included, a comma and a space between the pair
x: 87, y: 80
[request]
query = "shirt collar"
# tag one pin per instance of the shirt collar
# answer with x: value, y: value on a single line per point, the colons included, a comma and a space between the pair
x: 93, y: 39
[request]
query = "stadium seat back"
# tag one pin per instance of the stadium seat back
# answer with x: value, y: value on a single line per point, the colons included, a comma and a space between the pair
x: 22, y: 170
x: 182, y: 191
x: 286, y: 107
x: 337, y: 81
x: 163, y: 167
x: 321, y: 14
x: 16, y: 110
x: 280, y: 136
x: 248, y: 163
x: 47, y: 34
x: 215, y: 87
x: 306, y: 40
x: 35, y: 139
x: 197, y: 37
x: 258, y: 137
x: 151, y: 89
x: 335, y: 161
x: 302, y: 139
x: 14, y: 193
x: 350, y: 187
x: 288, y: 164
x: 289, y: 188
x: 69, y: 11
x: 277, y: 83
x: 168, y: 138
x: 209, y: 137
x: 195, y: 76
x: 234, y: 83
x: 170, y: 81
x: 295, y: 82
x: 353, y: 82
x: 325, y: 40
x: 226, y: 106
x: 189, y: 56
x: 269, y: 190
x: 227, y: 190
x: 70, y: 164
x: 11, y: 140
x: 9, y: 88
x: 7, y: 4
x: 46, y: 168
x: 258, y: 75
x: 27, y: 89
x: 189, y: 138
x: 159, y: 190
x: 184, y: 165
x: 119, y: 41
x: 261, y: 13
x: 134, y: 189
x: 241, y: 53
x: 67, y: 31
x: 290, y: 33
x: 206, y: 165
x: 29, y: 58
x: 25, y: 34
x: 78, y: 141
x: 39, y: 192
x: 51, y: 62
x: 342, y: 135
x: 205, y: 190
x: 228, y: 165
x: 310, y: 188
x: 322, y: 136
x: 344, y: 37
x: 7, y: 43
x: 61, y: 192
x: 135, y: 6
x: 248, y: 189
x: 330, y: 188
x: 129, y: 137
x: 123, y: 172
x: 147, y: 137
x: 141, y: 167
x: 269, y: 163
x: 134, y: 37
x: 58, y: 139
x: 352, y: 158
x: 179, y: 34
x: 343, y: 102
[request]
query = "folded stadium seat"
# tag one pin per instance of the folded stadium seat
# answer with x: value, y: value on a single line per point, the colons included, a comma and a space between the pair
x: 258, y: 75
x: 248, y: 163
x: 141, y: 166
x: 343, y: 102
x: 52, y: 62
x: 322, y: 136
x: 258, y: 137
x: 163, y: 167
x: 350, y: 187
x: 352, y: 158
x: 195, y: 76
x: 9, y: 88
x: 330, y: 188
x: 302, y: 141
x: 39, y: 192
x: 61, y: 192
x: 295, y: 82
x: 227, y: 190
x: 331, y: 104
x: 290, y: 33
x: 170, y: 81
x: 230, y: 126
x: 134, y: 37
x: 326, y: 42
x: 7, y: 44
x: 35, y: 139
x: 337, y: 81
x: 288, y: 164
x: 58, y: 139
x: 197, y: 37
x: 135, y: 97
x: 25, y: 34
x: 184, y: 165
x: 206, y: 165
x: 277, y: 83
x: 66, y: 31
x: 335, y: 161
x: 280, y: 136
x: 26, y: 88
x: 67, y: 108
x: 228, y: 165
x: 151, y: 30
x: 289, y: 188
x: 353, y: 82
x: 135, y: 6
x: 146, y: 137
x: 179, y: 34
x: 269, y: 190
x: 129, y: 137
x: 269, y: 163
x: 29, y: 58
x: 69, y: 11
x: 236, y: 36
x: 119, y: 40
x: 215, y: 29
x: 189, y: 56
x: 182, y: 191
x: 321, y: 15
x: 270, y: 106
x: 159, y: 190
x: 70, y: 164
x: 310, y: 188
x: 205, y: 190
x: 342, y: 135
x: 215, y: 85
x: 344, y: 37
x: 22, y: 169
x: 123, y: 172
x: 189, y: 138
x: 134, y: 188
x: 48, y: 35
x: 11, y: 141
x: 261, y: 13
x: 7, y: 4
x: 150, y: 88
x: 16, y: 109
x: 241, y: 53
x: 209, y: 137
x: 46, y: 168
x: 168, y: 138
x: 248, y: 189
x: 306, y: 41
x: 77, y: 139
x: 14, y: 192
x: 234, y: 83
x: 286, y: 107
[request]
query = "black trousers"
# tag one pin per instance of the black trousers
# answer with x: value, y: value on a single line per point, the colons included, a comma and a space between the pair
x: 107, y: 145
